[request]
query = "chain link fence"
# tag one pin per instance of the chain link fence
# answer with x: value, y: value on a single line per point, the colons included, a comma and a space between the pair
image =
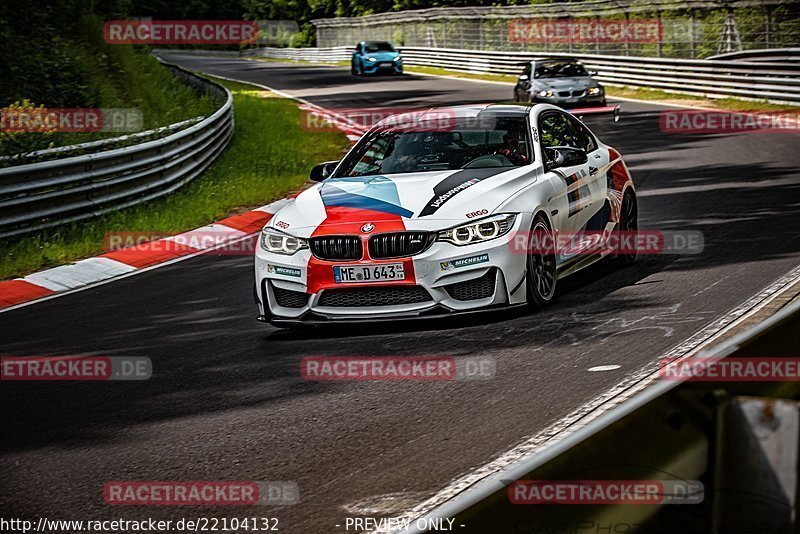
x: 655, y: 28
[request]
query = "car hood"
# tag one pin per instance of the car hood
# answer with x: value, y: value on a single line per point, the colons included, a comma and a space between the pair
x: 424, y: 200
x: 576, y: 83
x: 382, y: 56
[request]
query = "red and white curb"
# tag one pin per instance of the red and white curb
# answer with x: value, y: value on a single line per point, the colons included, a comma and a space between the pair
x: 121, y: 263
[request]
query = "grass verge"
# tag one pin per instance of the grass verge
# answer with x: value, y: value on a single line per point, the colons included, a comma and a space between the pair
x: 269, y: 155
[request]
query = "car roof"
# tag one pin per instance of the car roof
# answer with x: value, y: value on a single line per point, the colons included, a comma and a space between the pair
x: 545, y: 59
x: 508, y: 109
x: 557, y: 59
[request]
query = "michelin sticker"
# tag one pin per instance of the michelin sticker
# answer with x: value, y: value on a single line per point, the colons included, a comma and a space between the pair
x: 464, y: 262
x: 283, y: 271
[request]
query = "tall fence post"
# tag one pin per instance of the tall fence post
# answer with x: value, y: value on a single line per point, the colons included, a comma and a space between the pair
x: 597, y: 34
x: 627, y: 35
x: 767, y: 27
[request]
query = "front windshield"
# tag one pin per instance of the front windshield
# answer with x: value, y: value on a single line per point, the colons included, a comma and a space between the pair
x: 464, y: 143
x: 560, y: 70
x: 379, y: 47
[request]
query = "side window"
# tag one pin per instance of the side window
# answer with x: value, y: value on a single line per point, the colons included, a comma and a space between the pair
x: 555, y: 130
x: 585, y: 137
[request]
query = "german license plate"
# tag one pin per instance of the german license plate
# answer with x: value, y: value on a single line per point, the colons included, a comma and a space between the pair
x: 368, y: 273
x: 385, y: 64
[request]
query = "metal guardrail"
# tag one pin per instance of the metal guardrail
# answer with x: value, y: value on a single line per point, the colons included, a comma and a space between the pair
x: 316, y: 55
x: 762, y: 80
x: 671, y: 429
x: 42, y: 195
x: 779, y: 55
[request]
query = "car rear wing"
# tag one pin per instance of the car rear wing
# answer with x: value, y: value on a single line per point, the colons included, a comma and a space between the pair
x: 605, y: 110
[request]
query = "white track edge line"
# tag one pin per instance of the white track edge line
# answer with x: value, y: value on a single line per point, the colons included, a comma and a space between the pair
x: 590, y: 411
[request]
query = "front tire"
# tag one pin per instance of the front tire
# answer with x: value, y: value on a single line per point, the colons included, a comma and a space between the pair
x: 628, y: 222
x: 542, y: 275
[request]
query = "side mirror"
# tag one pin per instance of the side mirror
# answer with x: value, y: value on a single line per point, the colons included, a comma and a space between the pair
x: 523, y: 77
x: 592, y: 73
x: 323, y: 170
x: 564, y: 156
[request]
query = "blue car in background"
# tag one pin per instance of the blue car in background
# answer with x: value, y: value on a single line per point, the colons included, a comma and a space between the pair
x: 372, y: 57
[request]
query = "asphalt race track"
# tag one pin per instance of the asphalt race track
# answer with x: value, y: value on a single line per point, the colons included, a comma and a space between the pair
x: 226, y: 401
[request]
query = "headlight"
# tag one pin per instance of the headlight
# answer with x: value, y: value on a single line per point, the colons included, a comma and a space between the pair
x: 396, y: 59
x: 279, y: 243
x: 545, y: 93
x: 483, y: 230
x: 372, y: 59
x: 593, y: 91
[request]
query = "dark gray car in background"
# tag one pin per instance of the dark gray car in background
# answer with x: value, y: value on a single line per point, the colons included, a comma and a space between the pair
x: 559, y: 81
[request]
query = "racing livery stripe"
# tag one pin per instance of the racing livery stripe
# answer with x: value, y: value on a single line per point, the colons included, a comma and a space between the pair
x: 619, y: 177
x: 372, y: 199
x: 454, y: 184
x: 334, y: 196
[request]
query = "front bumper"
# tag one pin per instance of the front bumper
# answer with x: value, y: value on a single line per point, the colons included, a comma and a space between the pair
x: 571, y: 99
x: 442, y: 280
x: 383, y: 66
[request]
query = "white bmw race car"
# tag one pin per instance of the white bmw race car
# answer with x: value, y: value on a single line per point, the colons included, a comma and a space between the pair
x: 446, y: 213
